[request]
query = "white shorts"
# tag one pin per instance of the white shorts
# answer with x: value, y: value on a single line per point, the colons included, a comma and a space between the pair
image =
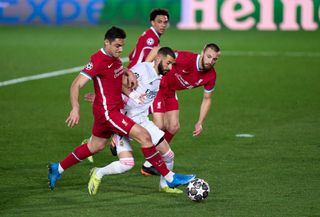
x: 124, y: 143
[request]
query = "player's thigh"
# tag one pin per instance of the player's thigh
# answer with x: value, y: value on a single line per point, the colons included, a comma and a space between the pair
x: 158, y: 120
x: 119, y: 123
x: 141, y: 135
x: 155, y: 133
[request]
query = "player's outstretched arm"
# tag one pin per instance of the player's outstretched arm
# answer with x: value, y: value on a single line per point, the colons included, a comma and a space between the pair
x: 204, y: 109
x: 153, y: 53
x: 74, y: 115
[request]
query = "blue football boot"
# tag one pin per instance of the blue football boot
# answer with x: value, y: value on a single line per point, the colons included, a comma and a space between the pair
x: 180, y: 179
x: 53, y: 175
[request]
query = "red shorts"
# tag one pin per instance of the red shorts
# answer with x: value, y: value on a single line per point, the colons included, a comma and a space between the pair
x: 107, y: 123
x: 166, y: 100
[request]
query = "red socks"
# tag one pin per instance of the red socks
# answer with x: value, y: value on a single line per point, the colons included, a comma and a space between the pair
x: 79, y: 154
x: 153, y: 156
x: 168, y: 136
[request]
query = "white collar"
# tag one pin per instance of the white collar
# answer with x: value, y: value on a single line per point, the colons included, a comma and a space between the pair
x: 155, y: 32
x: 198, y: 63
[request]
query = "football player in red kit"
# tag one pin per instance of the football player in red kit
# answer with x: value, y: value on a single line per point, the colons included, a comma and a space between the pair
x: 106, y: 70
x: 191, y: 70
x: 149, y: 39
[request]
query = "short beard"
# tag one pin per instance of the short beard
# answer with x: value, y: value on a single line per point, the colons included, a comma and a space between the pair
x: 204, y: 66
x: 160, y: 69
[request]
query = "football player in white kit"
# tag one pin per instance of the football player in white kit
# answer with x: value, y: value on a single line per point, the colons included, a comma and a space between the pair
x: 137, y: 108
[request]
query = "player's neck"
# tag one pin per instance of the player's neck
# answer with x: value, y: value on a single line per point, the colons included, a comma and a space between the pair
x: 107, y: 53
x: 154, y: 30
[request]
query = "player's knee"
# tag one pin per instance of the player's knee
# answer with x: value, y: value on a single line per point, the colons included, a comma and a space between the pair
x: 126, y: 164
x: 168, y: 156
x: 96, y: 147
x: 144, y: 136
x: 174, y: 128
x: 160, y: 125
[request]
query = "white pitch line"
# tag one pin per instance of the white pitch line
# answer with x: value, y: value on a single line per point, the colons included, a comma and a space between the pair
x: 46, y: 75
x: 245, y: 135
x: 224, y: 53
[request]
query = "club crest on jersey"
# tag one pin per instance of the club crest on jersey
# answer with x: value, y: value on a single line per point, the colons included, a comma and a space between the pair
x: 150, y: 41
x: 124, y: 122
x: 89, y: 66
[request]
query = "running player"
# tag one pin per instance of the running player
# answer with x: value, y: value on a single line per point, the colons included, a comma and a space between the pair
x: 106, y: 70
x: 148, y: 76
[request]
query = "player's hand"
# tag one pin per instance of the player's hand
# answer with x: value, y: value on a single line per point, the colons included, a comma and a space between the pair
x: 197, y: 130
x: 73, y: 118
x: 132, y: 80
x: 89, y: 97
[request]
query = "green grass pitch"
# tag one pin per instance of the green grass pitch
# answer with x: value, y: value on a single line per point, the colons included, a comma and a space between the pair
x: 268, y: 86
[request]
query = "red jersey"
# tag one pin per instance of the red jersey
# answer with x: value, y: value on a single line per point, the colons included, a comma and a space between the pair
x: 106, y: 73
x: 148, y: 40
x: 186, y: 73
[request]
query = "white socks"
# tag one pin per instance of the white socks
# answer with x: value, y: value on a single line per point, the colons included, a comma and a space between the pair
x: 169, y: 160
x: 60, y: 169
x: 116, y: 167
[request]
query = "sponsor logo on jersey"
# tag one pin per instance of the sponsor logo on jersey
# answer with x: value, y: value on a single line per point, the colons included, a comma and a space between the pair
x: 150, y: 41
x: 183, y: 82
x: 89, y: 66
x: 109, y: 66
x: 151, y: 94
x: 118, y: 72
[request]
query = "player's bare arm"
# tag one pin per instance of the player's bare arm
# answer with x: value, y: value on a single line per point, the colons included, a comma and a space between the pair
x: 133, y: 94
x: 204, y: 109
x: 77, y: 84
x: 153, y: 53
x: 89, y: 97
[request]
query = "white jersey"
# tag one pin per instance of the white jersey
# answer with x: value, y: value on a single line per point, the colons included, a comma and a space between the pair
x: 148, y: 83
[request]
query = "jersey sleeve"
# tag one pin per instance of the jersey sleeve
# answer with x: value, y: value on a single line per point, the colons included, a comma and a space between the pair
x: 92, y: 69
x: 209, y: 87
x: 147, y: 43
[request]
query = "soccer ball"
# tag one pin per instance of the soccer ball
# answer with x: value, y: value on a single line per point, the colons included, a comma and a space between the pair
x: 198, y: 190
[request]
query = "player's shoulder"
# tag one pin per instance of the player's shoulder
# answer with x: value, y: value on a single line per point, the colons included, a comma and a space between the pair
x: 186, y: 57
x: 185, y: 54
x: 149, y: 37
x: 143, y: 66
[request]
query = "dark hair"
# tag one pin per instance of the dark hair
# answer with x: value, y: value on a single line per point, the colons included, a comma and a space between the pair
x: 165, y: 51
x: 158, y: 11
x: 113, y: 33
x: 213, y: 46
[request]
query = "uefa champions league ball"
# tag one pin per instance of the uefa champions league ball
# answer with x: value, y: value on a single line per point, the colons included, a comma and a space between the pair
x: 198, y: 190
